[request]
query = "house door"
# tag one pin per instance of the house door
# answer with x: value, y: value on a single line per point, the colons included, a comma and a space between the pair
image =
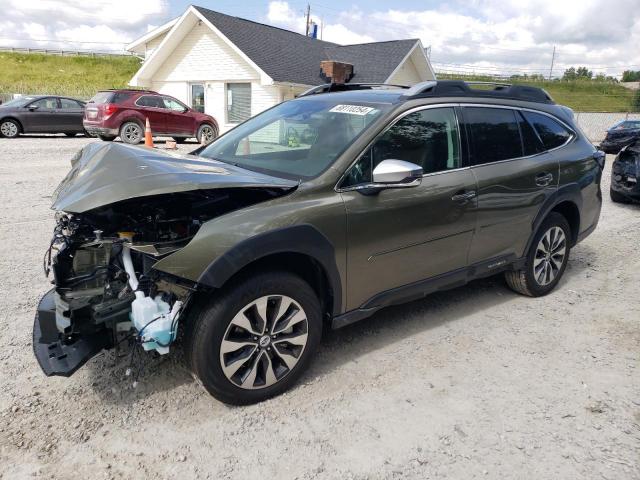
x: 197, y: 97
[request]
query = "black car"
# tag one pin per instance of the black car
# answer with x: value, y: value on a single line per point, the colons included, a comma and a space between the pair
x: 41, y: 114
x: 620, y: 135
x: 624, y: 175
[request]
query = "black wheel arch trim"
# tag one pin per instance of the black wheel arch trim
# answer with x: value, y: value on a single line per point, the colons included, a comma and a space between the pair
x: 566, y: 193
x: 299, y: 239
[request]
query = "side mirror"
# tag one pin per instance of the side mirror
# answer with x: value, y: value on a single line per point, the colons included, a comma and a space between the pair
x: 32, y: 108
x: 397, y: 173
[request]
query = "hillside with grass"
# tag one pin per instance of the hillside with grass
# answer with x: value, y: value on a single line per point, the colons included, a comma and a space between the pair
x: 76, y: 76
x: 580, y: 95
x: 82, y: 76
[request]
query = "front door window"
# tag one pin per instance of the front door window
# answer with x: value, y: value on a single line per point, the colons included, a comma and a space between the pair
x: 197, y: 97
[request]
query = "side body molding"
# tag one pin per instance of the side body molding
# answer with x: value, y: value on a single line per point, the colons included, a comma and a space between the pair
x: 301, y: 239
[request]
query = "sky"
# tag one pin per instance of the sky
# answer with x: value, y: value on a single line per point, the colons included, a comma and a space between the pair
x: 474, y: 36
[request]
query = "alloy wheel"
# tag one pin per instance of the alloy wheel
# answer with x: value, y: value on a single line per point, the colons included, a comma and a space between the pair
x: 550, y: 256
x: 207, y: 135
x: 9, y: 129
x: 132, y: 133
x: 264, y: 342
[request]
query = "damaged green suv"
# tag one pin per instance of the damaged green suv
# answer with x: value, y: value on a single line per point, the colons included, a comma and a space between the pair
x: 319, y: 211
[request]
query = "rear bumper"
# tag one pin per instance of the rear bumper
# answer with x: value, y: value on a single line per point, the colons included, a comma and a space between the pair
x: 94, y: 129
x: 57, y: 355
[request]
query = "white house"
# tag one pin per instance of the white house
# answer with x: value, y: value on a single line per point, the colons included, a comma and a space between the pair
x: 232, y: 68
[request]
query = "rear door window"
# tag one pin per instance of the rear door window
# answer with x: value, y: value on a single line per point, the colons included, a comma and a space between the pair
x: 150, y: 101
x: 551, y: 132
x: 494, y: 134
x: 68, y: 104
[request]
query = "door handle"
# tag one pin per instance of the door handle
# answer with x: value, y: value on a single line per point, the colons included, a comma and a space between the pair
x: 463, y: 196
x: 544, y: 179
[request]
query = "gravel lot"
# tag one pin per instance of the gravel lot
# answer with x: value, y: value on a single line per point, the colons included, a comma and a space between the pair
x: 478, y: 382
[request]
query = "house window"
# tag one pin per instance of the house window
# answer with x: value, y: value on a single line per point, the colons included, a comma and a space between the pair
x: 238, y: 102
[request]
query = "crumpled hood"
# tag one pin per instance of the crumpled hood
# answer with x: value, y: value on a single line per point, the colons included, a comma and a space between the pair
x: 105, y: 173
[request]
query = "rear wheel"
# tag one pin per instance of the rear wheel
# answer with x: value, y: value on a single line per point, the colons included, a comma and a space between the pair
x: 132, y: 133
x: 618, y: 197
x: 255, y: 338
x: 9, y: 128
x: 107, y: 138
x: 546, y: 260
x: 206, y: 134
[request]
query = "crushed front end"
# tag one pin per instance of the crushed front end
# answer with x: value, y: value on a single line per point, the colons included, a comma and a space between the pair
x: 121, y: 210
x: 625, y: 172
x: 105, y: 286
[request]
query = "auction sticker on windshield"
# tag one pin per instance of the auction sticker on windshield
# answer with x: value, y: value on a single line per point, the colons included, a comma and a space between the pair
x: 352, y: 109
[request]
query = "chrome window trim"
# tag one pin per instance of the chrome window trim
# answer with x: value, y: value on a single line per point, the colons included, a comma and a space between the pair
x: 419, y: 108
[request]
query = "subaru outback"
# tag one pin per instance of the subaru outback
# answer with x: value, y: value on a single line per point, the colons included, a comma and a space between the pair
x: 317, y: 212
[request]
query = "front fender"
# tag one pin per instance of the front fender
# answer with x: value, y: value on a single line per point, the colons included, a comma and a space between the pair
x: 309, y: 224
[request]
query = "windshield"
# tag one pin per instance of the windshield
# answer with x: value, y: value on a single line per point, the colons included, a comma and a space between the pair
x: 17, y: 102
x: 296, y: 139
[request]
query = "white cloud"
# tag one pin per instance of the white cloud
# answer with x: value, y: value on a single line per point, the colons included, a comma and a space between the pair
x: 78, y: 24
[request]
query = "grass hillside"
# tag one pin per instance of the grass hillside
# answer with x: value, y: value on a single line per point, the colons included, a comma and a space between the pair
x: 76, y: 76
x: 82, y: 76
x: 580, y: 95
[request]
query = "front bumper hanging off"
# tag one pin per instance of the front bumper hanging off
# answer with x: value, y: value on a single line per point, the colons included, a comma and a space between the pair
x: 59, y: 356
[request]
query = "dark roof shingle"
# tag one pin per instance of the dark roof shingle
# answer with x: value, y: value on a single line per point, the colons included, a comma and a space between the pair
x: 287, y: 56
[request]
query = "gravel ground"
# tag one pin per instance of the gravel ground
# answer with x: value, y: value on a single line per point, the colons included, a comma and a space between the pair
x: 477, y: 382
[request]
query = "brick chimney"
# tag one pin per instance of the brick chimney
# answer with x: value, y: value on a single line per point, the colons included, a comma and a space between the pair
x: 336, y: 72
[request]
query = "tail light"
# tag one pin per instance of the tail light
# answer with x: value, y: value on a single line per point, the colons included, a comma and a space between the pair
x: 110, y: 109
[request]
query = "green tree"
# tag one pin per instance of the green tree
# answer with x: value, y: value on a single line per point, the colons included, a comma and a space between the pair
x: 631, y: 76
x: 636, y: 101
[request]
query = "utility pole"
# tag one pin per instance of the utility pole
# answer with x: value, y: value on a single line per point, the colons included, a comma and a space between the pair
x: 553, y: 58
x: 308, y: 18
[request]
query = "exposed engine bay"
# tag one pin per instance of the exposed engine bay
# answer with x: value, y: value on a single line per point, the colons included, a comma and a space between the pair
x: 106, y: 287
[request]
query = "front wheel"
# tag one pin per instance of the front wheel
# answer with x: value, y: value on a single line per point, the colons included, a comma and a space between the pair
x: 9, y: 128
x: 206, y: 134
x: 256, y: 338
x: 132, y: 133
x: 546, y: 260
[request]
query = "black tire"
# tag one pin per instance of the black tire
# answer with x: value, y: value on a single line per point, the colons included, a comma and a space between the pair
x: 526, y: 281
x: 180, y: 139
x: 132, y: 133
x: 210, y: 323
x: 9, y: 128
x: 107, y: 138
x: 70, y: 135
x: 203, y: 135
x: 618, y: 197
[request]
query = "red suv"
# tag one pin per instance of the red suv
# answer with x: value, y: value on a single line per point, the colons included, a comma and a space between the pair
x: 113, y: 113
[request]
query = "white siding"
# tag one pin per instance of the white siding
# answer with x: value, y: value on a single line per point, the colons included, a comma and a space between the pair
x: 179, y: 90
x: 202, y: 55
x: 407, y: 74
x: 150, y: 46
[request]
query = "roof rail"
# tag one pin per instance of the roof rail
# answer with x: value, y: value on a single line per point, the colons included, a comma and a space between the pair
x: 458, y: 88
x: 343, y: 87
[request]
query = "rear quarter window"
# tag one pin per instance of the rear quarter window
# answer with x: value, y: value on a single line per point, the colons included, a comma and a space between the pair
x: 552, y: 133
x: 102, y: 97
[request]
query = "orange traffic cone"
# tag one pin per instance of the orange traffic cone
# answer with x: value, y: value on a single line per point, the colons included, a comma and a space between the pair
x: 148, y: 139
